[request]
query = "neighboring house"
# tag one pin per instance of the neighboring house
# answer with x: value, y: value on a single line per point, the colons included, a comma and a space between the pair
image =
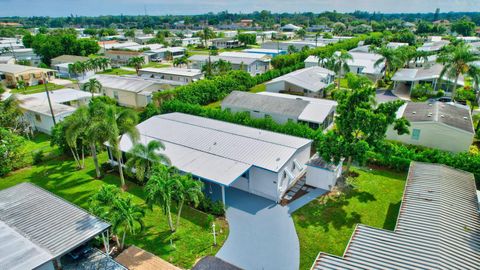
x: 184, y: 75
x: 134, y: 92
x: 121, y: 57
x: 310, y: 82
x: 225, y: 155
x: 438, y: 227
x: 62, y: 59
x: 143, y: 39
x: 284, y: 45
x: 10, y: 60
x: 168, y: 53
x: 405, y: 79
x: 252, y: 63
x: 269, y: 52
x: 191, y: 41
x: 437, y: 125
x: 469, y: 39
x: 114, y: 44
x: 319, y: 28
x: 282, y: 108
x: 225, y: 43
x: 25, y: 54
x: 10, y: 75
x: 290, y: 28
x: 433, y: 46
x: 396, y: 45
x: 61, y: 65
x: 37, y: 110
x: 38, y: 229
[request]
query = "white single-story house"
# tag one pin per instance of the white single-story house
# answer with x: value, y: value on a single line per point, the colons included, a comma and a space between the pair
x: 309, y: 81
x: 61, y: 65
x: 122, y: 56
x: 269, y: 52
x: 225, y: 43
x: 184, y: 75
x: 39, y: 229
x: 37, y: 111
x: 284, y: 45
x: 438, y: 227
x: 134, y: 92
x: 316, y: 113
x: 290, y: 28
x: 168, y: 53
x: 253, y: 63
x: 143, y: 39
x: 405, y: 79
x: 437, y: 125
x: 433, y: 46
x: 227, y: 155
x: 190, y: 41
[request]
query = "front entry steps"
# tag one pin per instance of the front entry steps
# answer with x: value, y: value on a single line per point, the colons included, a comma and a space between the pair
x: 296, y: 191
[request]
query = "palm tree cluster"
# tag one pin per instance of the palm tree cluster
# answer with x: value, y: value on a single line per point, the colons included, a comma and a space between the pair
x: 95, y: 64
x: 125, y: 216
x: 219, y: 67
x: 93, y: 86
x: 136, y: 62
x: 168, y: 188
x: 180, y: 61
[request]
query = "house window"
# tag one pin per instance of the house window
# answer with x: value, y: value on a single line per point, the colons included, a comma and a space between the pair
x: 38, y: 118
x: 416, y: 134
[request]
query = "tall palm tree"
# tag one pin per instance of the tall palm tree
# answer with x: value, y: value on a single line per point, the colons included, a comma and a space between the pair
x: 93, y: 86
x: 389, y: 57
x: 75, y: 128
x: 160, y: 189
x: 121, y: 122
x: 457, y: 60
x: 180, y: 61
x: 340, y: 62
x: 136, y: 62
x: 127, y: 217
x: 141, y: 158
x: 189, y: 191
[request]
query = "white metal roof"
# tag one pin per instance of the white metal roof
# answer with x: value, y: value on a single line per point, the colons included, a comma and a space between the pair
x: 424, y: 73
x: 62, y: 95
x: 216, y: 150
x: 243, y: 55
x: 37, y: 226
x: 367, y: 61
x: 310, y: 78
x: 131, y: 84
x: 33, y: 104
x: 187, y: 72
x: 13, y: 68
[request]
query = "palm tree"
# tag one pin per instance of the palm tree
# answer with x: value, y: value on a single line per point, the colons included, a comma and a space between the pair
x: 340, y: 64
x: 75, y: 128
x: 180, y: 61
x: 136, y: 62
x: 120, y: 123
x: 221, y: 67
x: 92, y: 86
x: 189, y: 191
x: 127, y: 217
x: 457, y: 60
x: 389, y: 57
x: 160, y: 190
x: 141, y: 158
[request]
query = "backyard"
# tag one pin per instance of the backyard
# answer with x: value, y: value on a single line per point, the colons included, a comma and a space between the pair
x: 326, y: 224
x: 191, y: 241
x: 37, y: 88
x: 117, y: 71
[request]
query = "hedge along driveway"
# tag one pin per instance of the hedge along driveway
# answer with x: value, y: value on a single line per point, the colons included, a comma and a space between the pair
x: 192, y: 241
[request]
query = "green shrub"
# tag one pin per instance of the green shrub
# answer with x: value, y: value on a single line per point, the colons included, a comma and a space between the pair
x: 11, y: 153
x: 37, y: 156
x: 215, y: 208
x: 422, y: 91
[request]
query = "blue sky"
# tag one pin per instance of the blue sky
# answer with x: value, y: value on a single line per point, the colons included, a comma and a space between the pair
x: 162, y: 7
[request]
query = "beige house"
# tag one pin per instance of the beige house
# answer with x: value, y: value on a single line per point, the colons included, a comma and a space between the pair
x: 10, y: 75
x: 184, y: 75
x: 121, y: 57
x: 437, y: 125
x: 131, y: 92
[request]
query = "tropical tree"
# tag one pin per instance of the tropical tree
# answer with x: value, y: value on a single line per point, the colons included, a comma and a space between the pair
x: 120, y: 122
x: 141, y: 159
x: 22, y: 85
x: 160, y: 189
x: 291, y: 49
x: 188, y: 191
x: 458, y: 60
x: 93, y: 86
x: 221, y: 67
x: 389, y: 58
x: 75, y: 134
x: 180, y: 61
x: 136, y: 62
x: 11, y: 116
x: 340, y: 62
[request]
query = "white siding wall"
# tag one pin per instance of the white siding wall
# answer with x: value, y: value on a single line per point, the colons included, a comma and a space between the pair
x: 263, y: 183
x: 275, y: 87
x: 302, y: 156
x: 46, y: 122
x: 322, y: 178
x: 435, y: 135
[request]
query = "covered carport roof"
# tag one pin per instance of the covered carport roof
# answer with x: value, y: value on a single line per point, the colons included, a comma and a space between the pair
x: 37, y: 226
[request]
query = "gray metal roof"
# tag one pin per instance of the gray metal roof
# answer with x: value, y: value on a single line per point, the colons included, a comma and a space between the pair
x: 37, y: 226
x: 231, y: 59
x: 429, y: 72
x: 216, y: 150
x: 454, y: 115
x: 310, y: 78
x: 126, y: 83
x: 438, y: 227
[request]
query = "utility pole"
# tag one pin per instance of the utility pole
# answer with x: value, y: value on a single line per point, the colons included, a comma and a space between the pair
x: 45, y: 82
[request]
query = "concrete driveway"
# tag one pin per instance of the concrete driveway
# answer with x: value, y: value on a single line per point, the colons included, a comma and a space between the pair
x: 262, y: 234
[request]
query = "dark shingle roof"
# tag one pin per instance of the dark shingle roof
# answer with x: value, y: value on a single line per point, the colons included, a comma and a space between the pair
x: 438, y: 227
x: 453, y: 115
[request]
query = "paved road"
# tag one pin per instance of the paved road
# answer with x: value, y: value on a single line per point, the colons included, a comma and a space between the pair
x: 262, y: 234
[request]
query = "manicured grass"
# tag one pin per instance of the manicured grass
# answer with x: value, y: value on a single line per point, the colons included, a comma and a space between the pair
x: 192, y: 241
x: 258, y: 88
x: 40, y: 142
x: 117, y: 71
x: 156, y: 65
x: 327, y: 227
x: 215, y: 105
x: 37, y: 89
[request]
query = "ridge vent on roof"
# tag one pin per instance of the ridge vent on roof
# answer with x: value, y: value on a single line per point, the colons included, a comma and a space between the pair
x: 414, y: 112
x: 430, y: 114
x: 442, y: 116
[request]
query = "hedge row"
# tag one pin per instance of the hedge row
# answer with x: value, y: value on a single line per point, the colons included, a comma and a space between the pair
x: 242, y: 118
x: 398, y: 156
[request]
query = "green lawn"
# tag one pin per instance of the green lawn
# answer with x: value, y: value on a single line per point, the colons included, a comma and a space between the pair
x: 37, y: 89
x: 156, y: 65
x: 258, y: 88
x: 117, y: 71
x: 374, y: 201
x: 192, y: 241
x: 40, y: 142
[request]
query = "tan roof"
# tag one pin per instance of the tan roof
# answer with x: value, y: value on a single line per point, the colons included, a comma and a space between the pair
x: 123, y: 52
x: 135, y: 258
x: 11, y: 68
x: 69, y: 58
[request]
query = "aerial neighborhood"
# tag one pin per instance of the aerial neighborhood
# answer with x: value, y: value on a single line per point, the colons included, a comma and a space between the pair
x: 248, y: 140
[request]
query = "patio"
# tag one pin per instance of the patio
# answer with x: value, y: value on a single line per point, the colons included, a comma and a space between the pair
x: 95, y: 259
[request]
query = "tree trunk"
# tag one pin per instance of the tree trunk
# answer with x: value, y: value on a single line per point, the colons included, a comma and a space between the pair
x: 120, y: 171
x: 180, y: 207
x: 93, y: 148
x: 117, y: 239
x: 75, y: 157
x: 347, y: 167
x: 454, y: 87
x: 170, y: 221
x: 338, y: 84
x: 83, y: 157
x: 123, y: 240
